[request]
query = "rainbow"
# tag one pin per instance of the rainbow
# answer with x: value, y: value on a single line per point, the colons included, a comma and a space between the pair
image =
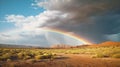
x: 69, y: 34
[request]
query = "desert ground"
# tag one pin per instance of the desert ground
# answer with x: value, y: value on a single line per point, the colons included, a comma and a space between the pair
x: 103, y: 55
x: 68, y: 60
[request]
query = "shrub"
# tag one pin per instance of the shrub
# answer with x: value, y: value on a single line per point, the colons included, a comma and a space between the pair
x: 2, y: 58
x: 38, y: 57
x: 5, y: 57
x: 27, y: 57
x: 116, y: 56
x: 8, y: 60
x: 47, y: 56
x: 20, y: 55
x: 56, y: 57
x: 100, y: 55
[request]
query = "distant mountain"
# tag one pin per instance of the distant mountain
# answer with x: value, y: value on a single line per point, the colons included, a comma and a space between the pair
x: 103, y: 44
x: 13, y: 46
x: 17, y: 46
x: 109, y: 43
x: 106, y: 44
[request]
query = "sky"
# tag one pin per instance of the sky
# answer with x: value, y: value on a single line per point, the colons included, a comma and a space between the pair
x: 24, y: 22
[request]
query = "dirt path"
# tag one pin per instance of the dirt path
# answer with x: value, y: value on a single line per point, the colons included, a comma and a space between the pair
x: 73, y: 60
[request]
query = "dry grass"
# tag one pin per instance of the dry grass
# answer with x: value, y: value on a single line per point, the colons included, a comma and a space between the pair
x: 74, y: 57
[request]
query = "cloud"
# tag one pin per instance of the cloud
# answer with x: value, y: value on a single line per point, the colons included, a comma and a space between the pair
x: 114, y: 37
x: 26, y: 22
x: 30, y: 29
x: 80, y: 10
x: 92, y: 19
x: 45, y: 19
x: 23, y: 37
x: 95, y: 20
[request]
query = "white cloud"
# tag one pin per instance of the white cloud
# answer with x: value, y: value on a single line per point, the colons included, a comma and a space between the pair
x: 53, y: 4
x: 28, y: 27
x: 32, y: 22
x: 21, y: 36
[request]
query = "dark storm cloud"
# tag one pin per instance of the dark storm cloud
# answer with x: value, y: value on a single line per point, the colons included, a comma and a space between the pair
x: 93, y: 19
x: 83, y: 9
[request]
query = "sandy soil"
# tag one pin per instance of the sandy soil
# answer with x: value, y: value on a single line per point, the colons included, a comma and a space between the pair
x: 71, y: 60
x: 87, y: 61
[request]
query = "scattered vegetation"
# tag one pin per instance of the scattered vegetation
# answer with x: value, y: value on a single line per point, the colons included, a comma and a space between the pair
x: 7, y: 54
x: 11, y: 54
x: 96, y: 52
